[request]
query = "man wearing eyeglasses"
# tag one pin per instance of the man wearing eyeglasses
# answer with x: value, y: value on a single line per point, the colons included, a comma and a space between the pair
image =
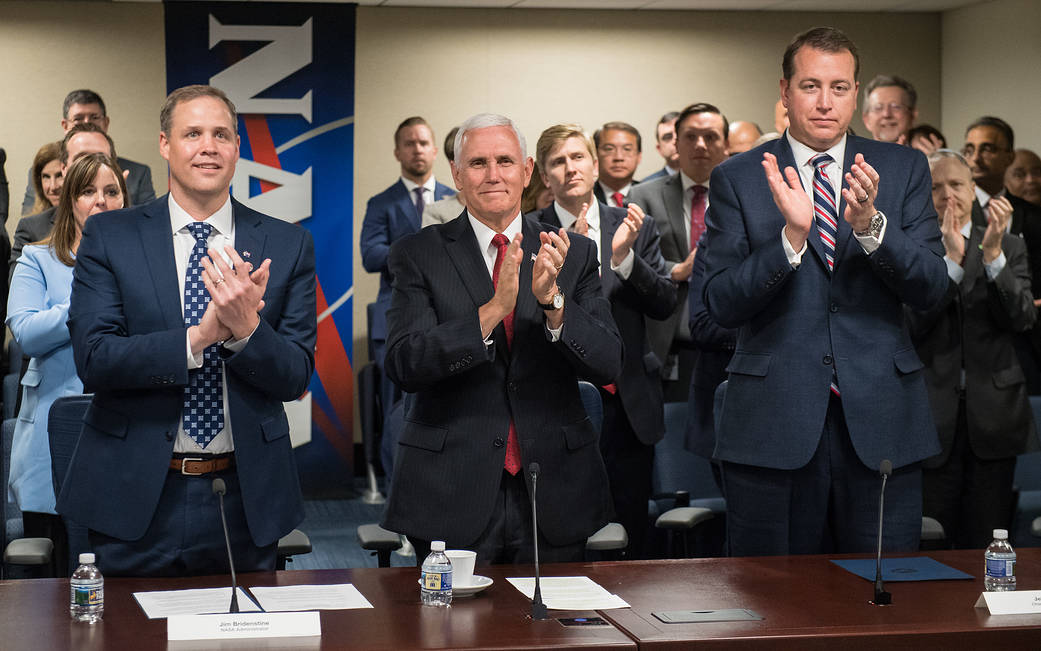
x: 890, y: 108
x: 83, y: 106
x: 618, y: 150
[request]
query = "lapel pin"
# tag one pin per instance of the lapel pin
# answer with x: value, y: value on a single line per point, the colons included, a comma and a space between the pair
x: 245, y: 254
x: 534, y: 257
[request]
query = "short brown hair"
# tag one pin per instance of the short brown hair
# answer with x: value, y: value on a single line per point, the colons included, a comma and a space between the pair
x: 827, y: 39
x: 47, y: 153
x: 77, y: 177
x: 84, y: 127
x: 618, y: 126
x: 187, y: 94
x: 411, y: 122
x: 557, y: 134
x: 701, y: 107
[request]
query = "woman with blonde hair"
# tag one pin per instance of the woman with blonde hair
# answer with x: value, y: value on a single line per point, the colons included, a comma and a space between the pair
x: 38, y: 307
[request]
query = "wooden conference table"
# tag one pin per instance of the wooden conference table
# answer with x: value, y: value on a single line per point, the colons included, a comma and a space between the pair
x: 806, y: 601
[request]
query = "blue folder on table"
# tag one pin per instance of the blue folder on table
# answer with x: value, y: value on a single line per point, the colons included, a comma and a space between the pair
x: 912, y: 568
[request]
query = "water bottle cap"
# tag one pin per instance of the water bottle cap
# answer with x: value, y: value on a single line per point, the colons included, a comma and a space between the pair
x: 86, y: 558
x: 437, y: 546
x: 1001, y: 534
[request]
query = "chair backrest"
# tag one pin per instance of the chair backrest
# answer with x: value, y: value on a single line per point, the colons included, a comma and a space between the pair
x: 64, y: 424
x: 591, y: 401
x: 12, y: 520
x: 675, y: 467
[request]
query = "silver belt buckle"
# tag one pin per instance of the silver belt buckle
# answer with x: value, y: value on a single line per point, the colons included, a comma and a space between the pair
x: 186, y: 460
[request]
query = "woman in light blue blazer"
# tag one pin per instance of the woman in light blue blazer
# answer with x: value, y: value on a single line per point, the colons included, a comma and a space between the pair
x: 37, y: 311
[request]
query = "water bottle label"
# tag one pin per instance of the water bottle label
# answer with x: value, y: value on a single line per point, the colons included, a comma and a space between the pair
x: 88, y: 596
x: 998, y: 568
x: 437, y: 581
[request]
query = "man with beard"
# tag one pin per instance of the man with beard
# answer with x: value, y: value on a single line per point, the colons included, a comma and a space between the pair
x: 393, y: 214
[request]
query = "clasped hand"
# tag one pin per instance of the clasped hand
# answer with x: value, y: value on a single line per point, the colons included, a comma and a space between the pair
x: 236, y: 298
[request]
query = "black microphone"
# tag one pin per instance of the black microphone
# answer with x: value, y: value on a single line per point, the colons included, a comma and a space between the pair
x: 219, y: 489
x: 882, y: 598
x: 538, y: 609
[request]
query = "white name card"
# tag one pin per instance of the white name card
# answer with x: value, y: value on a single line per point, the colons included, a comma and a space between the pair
x: 232, y: 626
x: 1025, y: 602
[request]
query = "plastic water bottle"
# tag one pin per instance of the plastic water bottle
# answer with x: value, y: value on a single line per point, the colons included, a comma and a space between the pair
x: 87, y: 592
x: 436, y: 577
x: 1001, y: 564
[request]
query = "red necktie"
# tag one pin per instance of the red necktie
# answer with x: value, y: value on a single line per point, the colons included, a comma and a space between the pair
x: 619, y: 199
x: 513, y: 457
x: 697, y: 215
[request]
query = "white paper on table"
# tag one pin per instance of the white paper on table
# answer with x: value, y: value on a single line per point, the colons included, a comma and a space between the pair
x: 569, y: 593
x: 163, y: 603
x: 310, y: 597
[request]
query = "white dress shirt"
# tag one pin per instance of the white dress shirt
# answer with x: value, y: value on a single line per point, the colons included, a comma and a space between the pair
x: 594, y: 233
x: 428, y: 190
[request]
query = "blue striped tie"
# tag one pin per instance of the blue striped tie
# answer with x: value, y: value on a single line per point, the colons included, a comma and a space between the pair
x: 827, y: 216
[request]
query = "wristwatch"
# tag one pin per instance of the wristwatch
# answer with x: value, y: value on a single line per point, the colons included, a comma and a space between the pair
x: 874, y: 228
x: 556, y: 304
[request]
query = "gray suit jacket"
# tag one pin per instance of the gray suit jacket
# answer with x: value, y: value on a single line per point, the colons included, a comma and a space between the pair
x: 662, y: 199
x: 139, y: 185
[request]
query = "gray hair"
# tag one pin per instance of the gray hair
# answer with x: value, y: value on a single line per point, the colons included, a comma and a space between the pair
x: 941, y: 154
x: 483, y: 121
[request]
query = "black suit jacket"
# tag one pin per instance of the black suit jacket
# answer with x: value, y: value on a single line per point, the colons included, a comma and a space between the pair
x: 451, y: 451
x: 647, y: 291
x: 973, y: 327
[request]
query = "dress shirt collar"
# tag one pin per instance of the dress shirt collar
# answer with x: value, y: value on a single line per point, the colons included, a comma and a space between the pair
x: 608, y: 192
x: 803, y: 154
x: 484, y: 234
x: 429, y: 186
x: 688, y: 183
x: 966, y: 228
x: 592, y: 215
x: 670, y: 171
x: 983, y: 197
x: 221, y: 220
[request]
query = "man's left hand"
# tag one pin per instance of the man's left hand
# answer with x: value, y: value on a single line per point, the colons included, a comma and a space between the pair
x: 999, y: 212
x: 862, y: 181
x: 548, y: 263
x: 236, y: 293
x: 625, y: 235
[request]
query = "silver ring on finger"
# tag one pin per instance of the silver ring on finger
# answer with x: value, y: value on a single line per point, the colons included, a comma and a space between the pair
x: 862, y: 199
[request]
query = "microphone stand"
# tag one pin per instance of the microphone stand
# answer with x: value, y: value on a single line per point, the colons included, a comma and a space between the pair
x: 219, y: 488
x: 538, y: 609
x: 882, y: 598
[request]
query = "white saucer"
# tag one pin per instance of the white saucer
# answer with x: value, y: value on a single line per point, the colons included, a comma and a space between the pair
x: 479, y: 584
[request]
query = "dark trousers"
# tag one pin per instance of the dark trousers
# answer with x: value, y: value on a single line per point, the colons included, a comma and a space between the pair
x: 830, y: 505
x: 508, y: 536
x: 185, y: 537
x: 629, y: 464
x: 969, y: 496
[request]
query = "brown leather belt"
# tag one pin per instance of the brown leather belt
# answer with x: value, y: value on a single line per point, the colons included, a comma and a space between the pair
x: 195, y: 466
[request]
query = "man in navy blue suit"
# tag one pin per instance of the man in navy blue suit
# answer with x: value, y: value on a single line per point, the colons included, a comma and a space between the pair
x: 813, y: 265
x: 634, y: 280
x: 391, y: 215
x: 193, y: 318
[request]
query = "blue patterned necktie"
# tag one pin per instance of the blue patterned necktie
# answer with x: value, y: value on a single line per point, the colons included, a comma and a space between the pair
x: 827, y: 216
x: 203, y: 411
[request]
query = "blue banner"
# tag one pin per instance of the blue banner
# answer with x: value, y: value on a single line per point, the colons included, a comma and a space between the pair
x: 289, y: 70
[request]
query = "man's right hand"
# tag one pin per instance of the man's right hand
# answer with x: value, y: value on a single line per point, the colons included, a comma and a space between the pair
x: 497, y: 309
x: 791, y: 200
x: 208, y: 332
x: 950, y: 231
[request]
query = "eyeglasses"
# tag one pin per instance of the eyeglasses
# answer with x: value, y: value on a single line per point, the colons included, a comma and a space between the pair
x: 894, y: 107
x: 985, y: 149
x: 611, y: 150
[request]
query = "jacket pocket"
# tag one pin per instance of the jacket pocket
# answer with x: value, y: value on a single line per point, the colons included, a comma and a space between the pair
x: 1008, y: 377
x: 422, y: 436
x: 757, y: 364
x: 107, y: 421
x: 907, y: 361
x: 276, y: 426
x: 579, y: 434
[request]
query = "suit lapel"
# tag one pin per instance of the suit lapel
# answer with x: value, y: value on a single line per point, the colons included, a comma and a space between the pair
x: 249, y: 240
x: 672, y: 192
x: 462, y: 249
x: 608, y: 225
x: 405, y: 205
x: 845, y: 231
x: 157, y: 244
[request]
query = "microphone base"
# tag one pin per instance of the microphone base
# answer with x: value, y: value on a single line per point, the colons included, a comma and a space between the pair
x: 538, y: 611
x: 882, y: 598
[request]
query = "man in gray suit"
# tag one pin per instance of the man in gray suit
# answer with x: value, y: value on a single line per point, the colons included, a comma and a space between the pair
x: 678, y: 204
x: 86, y: 107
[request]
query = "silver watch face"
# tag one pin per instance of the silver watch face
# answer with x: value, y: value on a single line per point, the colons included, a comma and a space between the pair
x: 558, y: 301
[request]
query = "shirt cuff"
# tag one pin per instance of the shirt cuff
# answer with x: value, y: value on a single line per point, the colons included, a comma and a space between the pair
x: 626, y: 268
x: 554, y: 333
x: 995, y: 267
x: 193, y: 361
x: 954, y: 270
x: 869, y: 242
x: 235, y: 345
x: 794, y: 257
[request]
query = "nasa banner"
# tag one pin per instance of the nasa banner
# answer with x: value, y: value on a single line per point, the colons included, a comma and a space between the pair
x: 289, y: 70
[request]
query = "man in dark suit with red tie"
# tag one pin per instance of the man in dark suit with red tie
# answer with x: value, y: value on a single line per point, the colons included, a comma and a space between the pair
x: 632, y: 272
x: 494, y: 318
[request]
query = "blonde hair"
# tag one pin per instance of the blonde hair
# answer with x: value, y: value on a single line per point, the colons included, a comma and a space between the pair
x: 557, y: 134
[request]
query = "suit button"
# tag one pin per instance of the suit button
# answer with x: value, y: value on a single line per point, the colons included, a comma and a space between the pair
x: 827, y: 360
x: 834, y: 308
x: 512, y: 386
x: 169, y: 435
x: 498, y: 442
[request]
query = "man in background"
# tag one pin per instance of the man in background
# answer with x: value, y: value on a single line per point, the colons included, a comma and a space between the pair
x: 447, y: 209
x: 86, y: 107
x: 890, y: 108
x: 1023, y: 176
x: 618, y: 147
x: 665, y: 143
x: 743, y: 135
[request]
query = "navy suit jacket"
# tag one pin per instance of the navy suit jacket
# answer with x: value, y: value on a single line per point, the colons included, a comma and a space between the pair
x: 648, y: 291
x: 796, y: 325
x: 451, y: 451
x: 128, y: 340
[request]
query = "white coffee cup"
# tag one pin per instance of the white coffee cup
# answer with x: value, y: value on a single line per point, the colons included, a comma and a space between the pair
x: 463, y: 562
